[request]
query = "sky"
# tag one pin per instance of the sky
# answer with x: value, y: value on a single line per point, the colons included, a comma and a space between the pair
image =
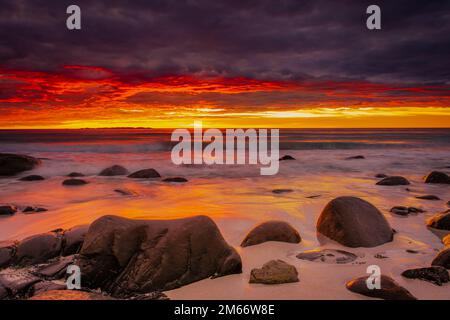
x: 255, y: 63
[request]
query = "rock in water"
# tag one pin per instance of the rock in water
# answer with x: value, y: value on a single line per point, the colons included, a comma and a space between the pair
x: 73, y: 239
x: 437, y: 177
x: 390, y: 290
x: 271, y: 231
x: 404, y: 211
x: 114, y: 171
x: 145, y: 174
x: 355, y: 158
x: 428, y: 197
x: 354, y: 222
x: 280, y: 191
x: 393, y: 181
x: 328, y: 256
x: 442, y: 259
x: 437, y: 274
x: 69, y: 295
x: 11, y: 164
x: 440, y: 221
x: 38, y: 248
x: 176, y: 180
x: 381, y: 175
x: 124, y: 256
x: 7, y: 210
x: 75, y: 175
x: 286, y: 157
x: 274, y: 272
x: 74, y: 182
x: 33, y: 177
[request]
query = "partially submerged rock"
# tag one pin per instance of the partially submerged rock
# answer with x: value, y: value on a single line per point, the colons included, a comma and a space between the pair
x: 390, y: 290
x: 124, y: 256
x: 54, y: 270
x: 440, y: 221
x: 271, y: 231
x: 404, y: 211
x: 7, y: 210
x: 286, y: 157
x: 74, y: 182
x: 280, y: 191
x: 428, y: 197
x: 437, y: 177
x: 31, y: 209
x: 436, y: 274
x: 33, y: 177
x: 274, y: 272
x: 442, y: 259
x: 38, y: 248
x: 145, y: 174
x: 176, y: 180
x: 359, y: 157
x: 328, y: 256
x: 354, y: 222
x: 12, y: 164
x: 115, y: 170
x: 393, y: 181
x: 75, y: 175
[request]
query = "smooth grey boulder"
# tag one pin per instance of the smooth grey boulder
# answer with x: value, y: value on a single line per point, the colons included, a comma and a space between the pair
x: 73, y: 239
x: 115, y: 170
x: 393, y: 181
x: 39, y: 248
x: 328, y: 256
x: 436, y: 274
x: 274, y: 272
x: 7, y: 210
x: 390, y: 290
x: 145, y: 174
x: 437, y: 177
x: 440, y: 221
x: 271, y: 231
x: 354, y: 222
x: 442, y: 259
x: 124, y: 256
x: 12, y: 164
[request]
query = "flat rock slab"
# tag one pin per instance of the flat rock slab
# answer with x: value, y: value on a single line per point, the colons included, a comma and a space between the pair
x: 274, y: 272
x: 390, y: 290
x: 271, y: 231
x: 437, y: 275
x: 331, y: 256
x: 393, y: 181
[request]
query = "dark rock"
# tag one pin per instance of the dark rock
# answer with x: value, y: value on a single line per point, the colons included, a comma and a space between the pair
x: 74, y: 182
x: 328, y: 256
x: 437, y: 275
x: 176, y: 179
x: 39, y: 248
x: 390, y: 290
x: 440, y: 221
x: 437, y: 177
x: 17, y: 283
x: 412, y: 251
x: 126, y: 192
x: 355, y: 158
x: 428, y: 197
x: 314, y: 196
x: 145, y: 174
x: 54, y: 270
x: 446, y: 240
x: 33, y: 177
x: 114, y: 171
x: 415, y: 210
x: 75, y: 175
x: 11, y: 164
x: 448, y: 203
x: 381, y: 175
x: 69, y: 295
x: 6, y: 256
x: 404, y: 211
x: 7, y: 210
x: 380, y: 256
x: 274, y: 272
x: 354, y: 222
x: 286, y: 157
x: 30, y: 209
x: 279, y: 191
x: 44, y: 286
x: 73, y: 239
x: 271, y: 231
x: 442, y: 259
x: 393, y: 181
x: 124, y: 256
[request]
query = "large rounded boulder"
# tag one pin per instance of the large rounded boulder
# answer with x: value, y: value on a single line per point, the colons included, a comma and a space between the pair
x: 271, y: 231
x: 12, y: 164
x: 437, y: 177
x: 354, y: 222
x: 124, y: 256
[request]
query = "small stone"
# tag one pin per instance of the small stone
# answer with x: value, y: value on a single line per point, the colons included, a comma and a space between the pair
x: 359, y: 157
x: 176, y: 180
x: 7, y: 210
x: 145, y: 174
x: 32, y: 178
x: 115, y: 170
x: 274, y: 272
x: 428, y: 197
x: 286, y: 157
x: 437, y: 274
x: 74, y: 182
x: 280, y: 191
x: 393, y: 181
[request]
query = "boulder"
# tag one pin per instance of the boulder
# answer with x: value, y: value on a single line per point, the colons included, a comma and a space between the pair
x: 359, y: 157
x: 69, y: 295
x: 145, y: 174
x: 6, y: 256
x: 286, y: 157
x: 393, y: 181
x: 328, y: 256
x: 39, y: 248
x: 74, y: 182
x: 33, y: 177
x: 437, y: 274
x: 73, y: 239
x: 75, y: 175
x: 12, y: 164
x: 354, y: 222
x: 442, y: 259
x: 274, y: 272
x: 124, y: 256
x: 271, y: 231
x: 7, y: 210
x: 114, y: 171
x: 437, y: 177
x: 390, y: 290
x: 280, y: 191
x: 440, y: 221
x: 428, y: 197
x: 176, y: 180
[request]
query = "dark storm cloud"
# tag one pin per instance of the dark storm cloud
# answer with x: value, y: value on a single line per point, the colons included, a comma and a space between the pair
x: 279, y: 39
